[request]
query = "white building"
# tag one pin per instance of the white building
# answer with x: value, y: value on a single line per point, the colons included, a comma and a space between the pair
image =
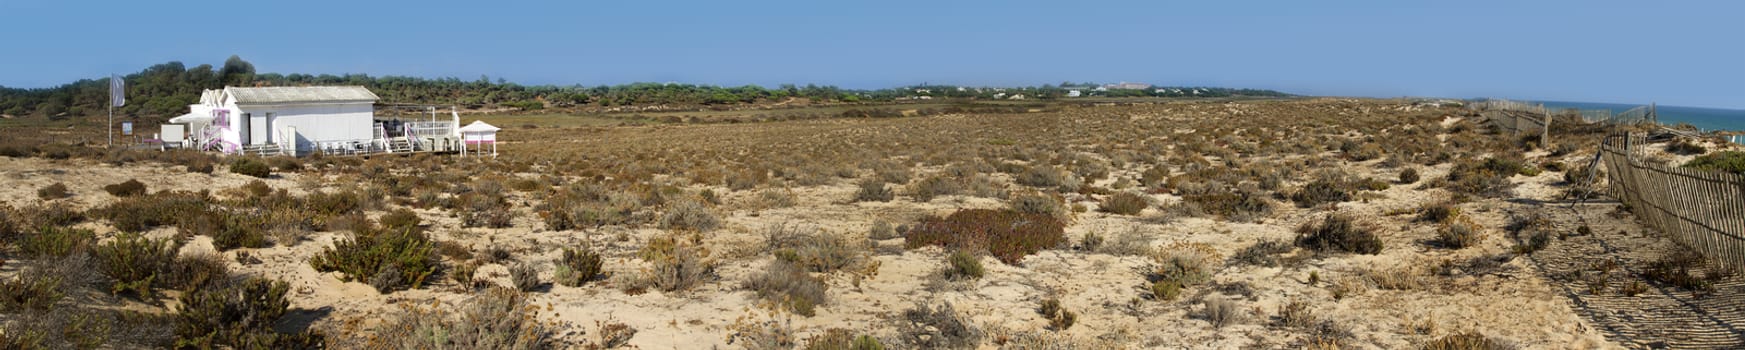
x: 296, y: 120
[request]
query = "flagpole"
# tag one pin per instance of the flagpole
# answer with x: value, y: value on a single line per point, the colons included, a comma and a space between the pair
x: 111, y: 125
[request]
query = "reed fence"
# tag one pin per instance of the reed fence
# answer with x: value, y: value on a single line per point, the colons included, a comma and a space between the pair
x: 1700, y: 209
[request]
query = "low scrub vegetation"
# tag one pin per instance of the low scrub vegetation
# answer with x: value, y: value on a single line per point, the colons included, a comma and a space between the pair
x: 1728, y: 161
x: 937, y: 328
x: 1124, y: 203
x: 499, y: 318
x: 789, y: 286
x: 1339, y: 232
x: 578, y: 266
x: 389, y: 259
x: 237, y: 315
x: 678, y: 264
x: 53, y: 192
x: 251, y: 167
x: 134, y: 263
x: 1460, y: 233
x: 1006, y: 234
x: 128, y: 188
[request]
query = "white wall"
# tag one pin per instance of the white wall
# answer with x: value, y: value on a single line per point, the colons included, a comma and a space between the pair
x: 328, y: 122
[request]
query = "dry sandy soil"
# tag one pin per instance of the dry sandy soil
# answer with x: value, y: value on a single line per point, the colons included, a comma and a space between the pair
x: 1528, y: 301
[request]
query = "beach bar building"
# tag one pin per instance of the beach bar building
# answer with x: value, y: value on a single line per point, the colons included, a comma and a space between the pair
x: 303, y: 119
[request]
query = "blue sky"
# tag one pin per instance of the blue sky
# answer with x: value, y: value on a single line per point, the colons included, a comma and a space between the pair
x: 1688, y: 53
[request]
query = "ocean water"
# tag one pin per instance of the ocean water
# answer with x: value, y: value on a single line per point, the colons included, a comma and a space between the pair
x: 1704, y: 118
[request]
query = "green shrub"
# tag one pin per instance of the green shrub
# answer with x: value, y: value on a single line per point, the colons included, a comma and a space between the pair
x: 1409, y: 176
x: 1439, y: 212
x: 1124, y: 203
x: 228, y: 229
x: 1686, y: 148
x: 400, y: 220
x: 1165, y: 290
x: 525, y: 276
x: 1263, y: 253
x: 56, y: 242
x: 787, y: 284
x: 1043, y: 177
x: 1466, y: 341
x: 134, y: 263
x: 1678, y: 268
x: 1458, y: 234
x: 689, y: 215
x: 1058, y: 318
x: 822, y: 252
x: 937, y: 328
x: 403, y: 258
x: 127, y: 188
x: 678, y: 265
x: 873, y: 190
x: 1233, y: 206
x: 197, y: 270
x: 924, y: 190
x: 142, y: 213
x: 1323, y: 190
x: 237, y: 315
x: 1006, y: 234
x: 251, y: 167
x: 578, y: 266
x: 499, y: 318
x: 962, y: 265
x: 842, y: 339
x: 34, y: 288
x: 1728, y: 161
x: 1487, y: 178
x: 1038, y: 204
x: 53, y: 192
x: 48, y: 215
x: 1339, y: 232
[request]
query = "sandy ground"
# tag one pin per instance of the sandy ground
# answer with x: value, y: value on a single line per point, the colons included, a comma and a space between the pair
x: 1524, y: 303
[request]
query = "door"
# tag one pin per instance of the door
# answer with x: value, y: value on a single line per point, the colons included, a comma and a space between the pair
x: 244, y: 130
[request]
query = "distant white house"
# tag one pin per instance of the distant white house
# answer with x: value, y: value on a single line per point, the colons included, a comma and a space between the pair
x: 1073, y: 93
x: 295, y: 120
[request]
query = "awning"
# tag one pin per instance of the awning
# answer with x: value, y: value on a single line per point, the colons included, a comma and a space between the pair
x: 191, y: 118
x: 479, y: 126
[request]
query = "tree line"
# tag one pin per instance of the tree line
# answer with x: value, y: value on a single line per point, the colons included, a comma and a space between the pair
x: 167, y: 89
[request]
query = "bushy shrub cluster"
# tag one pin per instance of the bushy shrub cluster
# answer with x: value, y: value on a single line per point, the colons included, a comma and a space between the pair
x: 134, y: 263
x: 52, y: 241
x: 1006, y: 234
x: 1459, y: 233
x: 928, y: 188
x: 583, y: 206
x: 790, y: 286
x: 239, y: 314
x: 499, y: 318
x: 141, y: 213
x: 937, y: 328
x: 961, y: 265
x: 578, y: 266
x: 1240, y: 206
x: 1339, y: 232
x: 873, y: 190
x: 251, y: 166
x: 128, y: 188
x: 53, y: 192
x: 688, y: 214
x: 390, y: 259
x: 678, y: 264
x: 1728, y: 161
x: 1124, y: 203
x: 1485, y: 178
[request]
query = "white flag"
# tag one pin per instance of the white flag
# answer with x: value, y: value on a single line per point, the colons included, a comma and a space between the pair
x: 117, y: 91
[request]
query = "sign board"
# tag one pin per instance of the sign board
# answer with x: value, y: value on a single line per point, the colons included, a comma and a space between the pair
x: 127, y: 128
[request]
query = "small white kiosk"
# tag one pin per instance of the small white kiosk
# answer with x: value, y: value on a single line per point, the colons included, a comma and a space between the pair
x: 476, y: 135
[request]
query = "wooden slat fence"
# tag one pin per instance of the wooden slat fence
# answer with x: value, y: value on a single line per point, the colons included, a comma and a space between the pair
x: 1702, y: 210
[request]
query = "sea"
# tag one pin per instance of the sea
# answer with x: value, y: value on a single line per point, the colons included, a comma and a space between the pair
x: 1707, y: 119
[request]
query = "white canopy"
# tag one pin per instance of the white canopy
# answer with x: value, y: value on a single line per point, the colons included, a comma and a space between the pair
x: 191, y: 118
x: 479, y: 126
